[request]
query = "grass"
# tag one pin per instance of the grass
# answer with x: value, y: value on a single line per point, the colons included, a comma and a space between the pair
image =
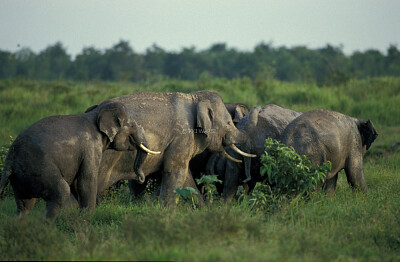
x: 349, y: 226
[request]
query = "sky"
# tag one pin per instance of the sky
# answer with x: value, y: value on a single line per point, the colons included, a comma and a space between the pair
x: 356, y: 25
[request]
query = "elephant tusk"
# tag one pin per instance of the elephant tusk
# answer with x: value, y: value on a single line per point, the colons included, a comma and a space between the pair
x: 149, y: 151
x: 237, y: 150
x: 232, y: 158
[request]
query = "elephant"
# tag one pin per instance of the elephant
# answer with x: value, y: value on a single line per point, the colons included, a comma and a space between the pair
x: 324, y: 135
x: 197, y: 164
x: 271, y: 122
x: 237, y: 111
x: 61, y: 154
x: 181, y: 126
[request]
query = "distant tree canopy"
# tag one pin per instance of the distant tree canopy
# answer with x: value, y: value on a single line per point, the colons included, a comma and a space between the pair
x: 327, y: 65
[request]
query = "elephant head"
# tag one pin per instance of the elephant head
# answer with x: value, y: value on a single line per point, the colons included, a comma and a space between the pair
x: 367, y: 131
x: 270, y: 121
x: 215, y: 122
x: 112, y: 121
x: 237, y: 111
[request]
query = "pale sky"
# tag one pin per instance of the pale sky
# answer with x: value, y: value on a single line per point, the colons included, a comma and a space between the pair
x: 174, y: 24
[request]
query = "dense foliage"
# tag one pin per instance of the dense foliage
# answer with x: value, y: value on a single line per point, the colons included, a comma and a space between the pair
x: 287, y: 176
x: 325, y: 66
x: 288, y: 173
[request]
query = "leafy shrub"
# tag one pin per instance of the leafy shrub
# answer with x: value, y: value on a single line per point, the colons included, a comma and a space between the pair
x: 289, y: 173
x: 209, y: 190
x: 187, y: 194
x: 287, y: 176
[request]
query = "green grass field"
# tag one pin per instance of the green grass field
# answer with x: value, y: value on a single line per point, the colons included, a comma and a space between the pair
x: 350, y: 226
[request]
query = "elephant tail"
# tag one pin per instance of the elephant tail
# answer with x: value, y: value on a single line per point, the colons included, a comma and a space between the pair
x: 7, y: 170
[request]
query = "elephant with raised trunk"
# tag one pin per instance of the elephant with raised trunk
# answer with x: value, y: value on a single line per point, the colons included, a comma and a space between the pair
x: 324, y: 135
x: 59, y: 155
x: 181, y: 126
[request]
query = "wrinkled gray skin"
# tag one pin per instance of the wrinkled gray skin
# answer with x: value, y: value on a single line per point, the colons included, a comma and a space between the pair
x: 271, y: 122
x: 62, y: 152
x: 197, y: 165
x: 324, y: 135
x: 179, y: 125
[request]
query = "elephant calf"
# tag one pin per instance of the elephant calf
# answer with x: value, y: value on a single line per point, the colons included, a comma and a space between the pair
x: 324, y: 135
x: 59, y: 154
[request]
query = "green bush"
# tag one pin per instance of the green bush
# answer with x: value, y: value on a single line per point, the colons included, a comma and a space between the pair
x: 209, y: 190
x: 288, y: 173
x: 287, y: 176
x: 187, y: 194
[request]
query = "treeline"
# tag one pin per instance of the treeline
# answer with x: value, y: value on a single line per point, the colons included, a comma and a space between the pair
x: 327, y: 65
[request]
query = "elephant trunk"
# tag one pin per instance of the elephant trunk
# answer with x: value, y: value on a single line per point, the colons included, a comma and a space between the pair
x: 247, y: 169
x: 140, y: 157
x: 242, y: 136
x: 245, y: 134
x: 249, y: 129
x: 252, y: 120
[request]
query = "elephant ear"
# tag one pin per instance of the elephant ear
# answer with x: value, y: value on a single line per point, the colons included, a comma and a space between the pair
x: 205, y: 116
x: 367, y: 131
x: 238, y: 114
x: 91, y: 108
x: 110, y: 119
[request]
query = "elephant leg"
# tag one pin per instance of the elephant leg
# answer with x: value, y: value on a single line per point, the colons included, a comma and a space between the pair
x: 355, y: 174
x: 24, y: 205
x: 170, y: 182
x: 211, y: 163
x: 87, y: 184
x: 72, y: 202
x: 136, y: 189
x: 330, y: 185
x: 189, y: 182
x: 231, y: 182
x: 58, y: 194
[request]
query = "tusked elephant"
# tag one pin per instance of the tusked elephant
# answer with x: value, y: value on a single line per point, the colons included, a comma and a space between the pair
x: 181, y: 126
x: 197, y: 165
x: 271, y: 122
x: 62, y: 154
x: 324, y: 135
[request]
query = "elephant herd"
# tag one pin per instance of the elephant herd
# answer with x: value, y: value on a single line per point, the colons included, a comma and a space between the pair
x: 176, y: 137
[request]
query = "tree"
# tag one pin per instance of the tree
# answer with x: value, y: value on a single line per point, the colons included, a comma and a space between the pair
x: 88, y: 65
x: 368, y: 64
x: 7, y: 64
x: 52, y: 63
x: 25, y: 62
x: 392, y: 61
x: 122, y: 63
x: 154, y: 60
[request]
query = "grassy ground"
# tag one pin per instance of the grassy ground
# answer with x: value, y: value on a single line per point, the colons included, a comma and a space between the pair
x: 350, y: 226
